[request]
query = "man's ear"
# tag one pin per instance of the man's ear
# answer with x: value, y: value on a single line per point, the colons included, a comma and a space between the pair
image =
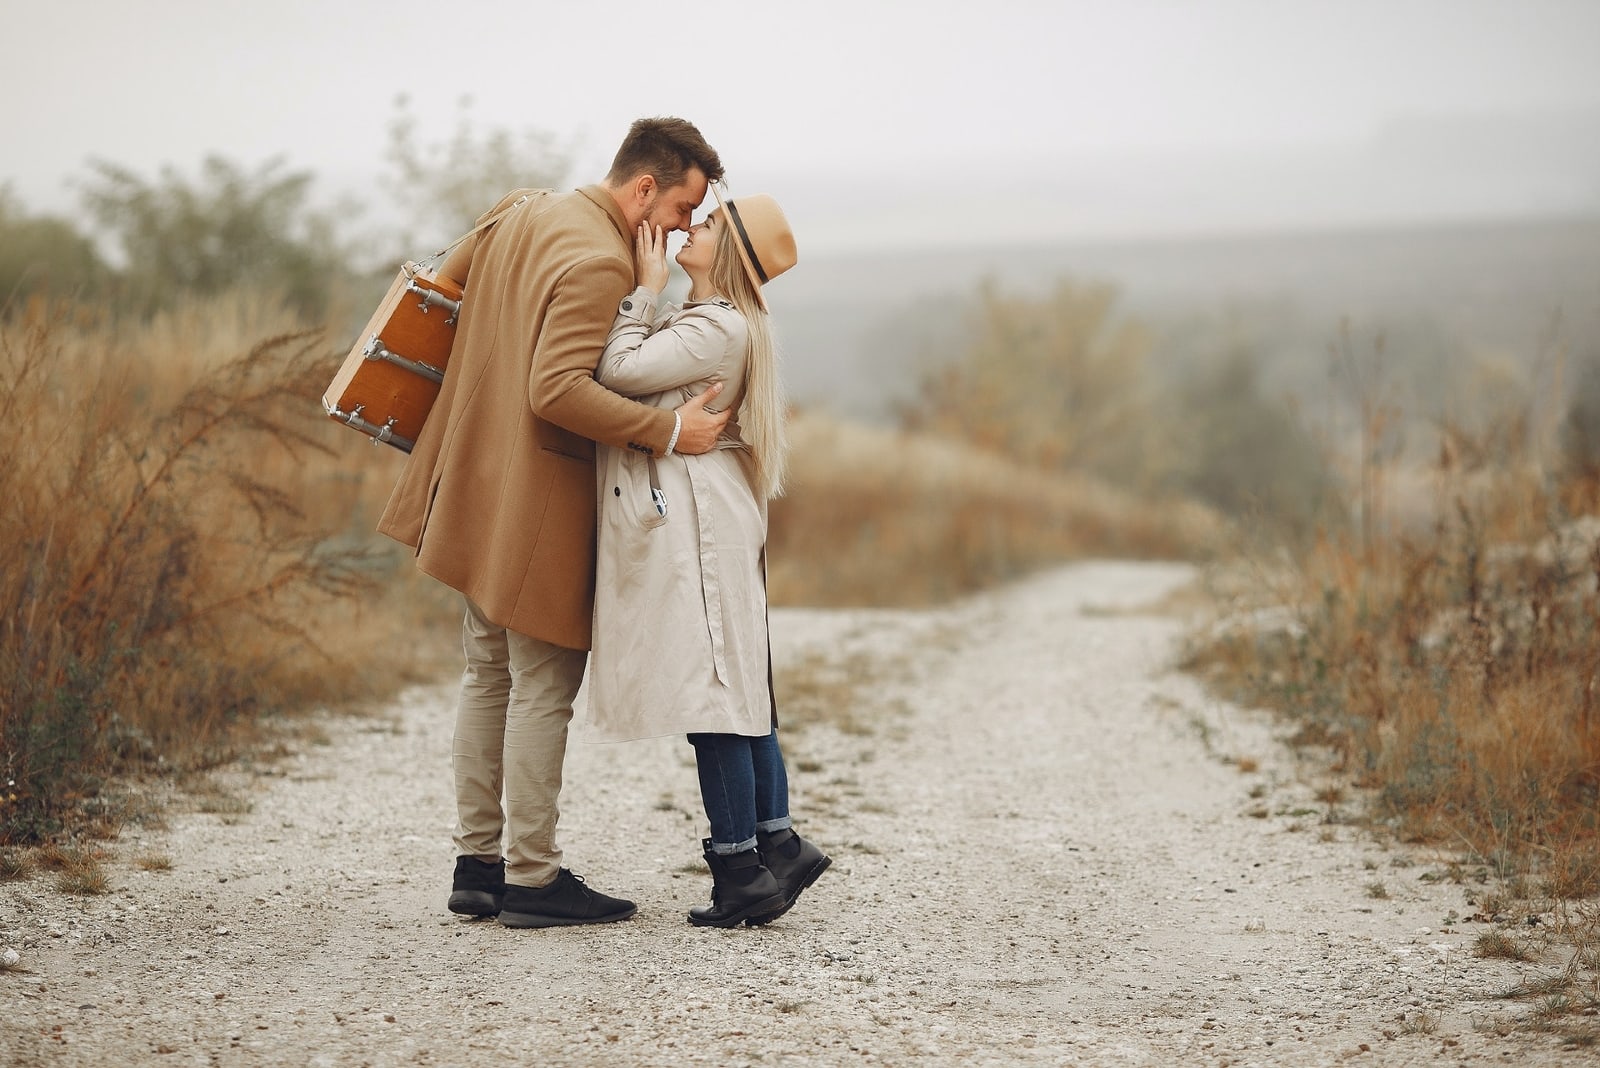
x: 644, y: 187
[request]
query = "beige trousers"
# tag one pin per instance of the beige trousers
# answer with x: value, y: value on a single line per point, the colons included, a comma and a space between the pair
x: 511, y: 731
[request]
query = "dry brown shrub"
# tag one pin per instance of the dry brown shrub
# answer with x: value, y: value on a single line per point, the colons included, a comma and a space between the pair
x: 180, y: 521
x: 881, y: 517
x: 1449, y: 655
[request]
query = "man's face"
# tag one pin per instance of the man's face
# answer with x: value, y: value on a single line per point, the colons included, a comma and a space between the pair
x: 671, y: 209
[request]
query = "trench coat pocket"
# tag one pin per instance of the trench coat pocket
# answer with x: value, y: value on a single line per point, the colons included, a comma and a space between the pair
x: 635, y: 494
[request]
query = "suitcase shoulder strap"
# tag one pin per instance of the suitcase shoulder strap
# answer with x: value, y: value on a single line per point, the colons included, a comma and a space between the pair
x: 486, y: 222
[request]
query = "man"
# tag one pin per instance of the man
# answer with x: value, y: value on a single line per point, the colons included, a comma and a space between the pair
x: 498, y: 499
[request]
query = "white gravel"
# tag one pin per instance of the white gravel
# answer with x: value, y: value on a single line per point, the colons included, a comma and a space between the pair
x: 1041, y: 858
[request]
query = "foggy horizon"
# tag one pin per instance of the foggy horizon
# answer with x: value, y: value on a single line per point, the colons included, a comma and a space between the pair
x: 1036, y: 123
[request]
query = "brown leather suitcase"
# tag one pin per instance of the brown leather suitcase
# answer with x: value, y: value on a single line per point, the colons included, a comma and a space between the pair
x: 392, y: 375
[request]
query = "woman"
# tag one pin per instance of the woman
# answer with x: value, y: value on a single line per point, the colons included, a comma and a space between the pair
x: 680, y: 640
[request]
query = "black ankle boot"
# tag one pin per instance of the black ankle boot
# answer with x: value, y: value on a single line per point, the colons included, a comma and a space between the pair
x: 793, y: 861
x: 740, y: 888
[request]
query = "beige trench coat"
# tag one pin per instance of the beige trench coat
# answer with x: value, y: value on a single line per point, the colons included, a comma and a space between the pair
x: 680, y: 637
x: 498, y: 494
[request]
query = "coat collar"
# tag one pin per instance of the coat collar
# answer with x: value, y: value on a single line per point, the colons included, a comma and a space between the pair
x: 607, y: 203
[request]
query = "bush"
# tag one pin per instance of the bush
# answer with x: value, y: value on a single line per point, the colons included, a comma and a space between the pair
x: 163, y: 565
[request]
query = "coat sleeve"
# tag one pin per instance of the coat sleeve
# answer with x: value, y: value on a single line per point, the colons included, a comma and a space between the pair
x: 641, y: 359
x: 561, y: 384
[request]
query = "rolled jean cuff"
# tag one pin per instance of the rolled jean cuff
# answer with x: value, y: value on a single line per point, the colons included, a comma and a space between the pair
x: 722, y: 850
x: 779, y: 824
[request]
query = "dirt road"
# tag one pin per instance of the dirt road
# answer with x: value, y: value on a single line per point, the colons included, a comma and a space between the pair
x: 1045, y: 853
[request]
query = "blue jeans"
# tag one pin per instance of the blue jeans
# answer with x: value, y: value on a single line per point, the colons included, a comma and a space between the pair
x: 743, y: 786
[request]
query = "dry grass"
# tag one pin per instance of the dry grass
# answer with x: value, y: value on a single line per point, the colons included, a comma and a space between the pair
x: 1499, y: 946
x: 180, y: 524
x: 1444, y: 652
x: 15, y: 864
x: 79, y: 870
x: 880, y: 517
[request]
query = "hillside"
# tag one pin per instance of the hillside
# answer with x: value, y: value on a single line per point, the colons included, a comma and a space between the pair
x: 855, y: 329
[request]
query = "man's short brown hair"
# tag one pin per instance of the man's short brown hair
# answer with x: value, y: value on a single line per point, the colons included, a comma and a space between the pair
x: 666, y: 149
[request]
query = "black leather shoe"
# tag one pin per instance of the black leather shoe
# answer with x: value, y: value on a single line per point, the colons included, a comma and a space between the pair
x: 477, y: 887
x: 565, y: 902
x: 740, y: 888
x: 794, y: 862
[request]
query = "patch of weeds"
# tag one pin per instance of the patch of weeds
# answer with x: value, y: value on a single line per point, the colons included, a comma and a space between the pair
x: 1543, y: 987
x: 104, y: 815
x: 1247, y: 765
x: 1421, y: 1022
x: 1497, y: 945
x: 810, y: 767
x: 1258, y: 791
x: 1573, y: 875
x: 78, y: 870
x: 153, y: 862
x: 1493, y: 902
x: 1555, y: 1005
x: 83, y: 882
x: 824, y: 689
x: 1377, y: 890
x: 789, y: 1007
x: 1260, y: 812
x: 1331, y: 795
x: 213, y: 798
x: 14, y: 864
x: 227, y: 805
x: 151, y: 818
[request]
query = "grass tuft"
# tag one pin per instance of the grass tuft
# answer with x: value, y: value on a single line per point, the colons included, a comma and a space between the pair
x: 79, y: 870
x: 1497, y: 945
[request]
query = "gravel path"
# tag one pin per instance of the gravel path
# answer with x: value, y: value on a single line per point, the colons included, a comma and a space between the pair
x: 1045, y: 853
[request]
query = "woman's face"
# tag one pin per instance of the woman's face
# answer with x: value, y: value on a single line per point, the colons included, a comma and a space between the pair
x: 697, y: 253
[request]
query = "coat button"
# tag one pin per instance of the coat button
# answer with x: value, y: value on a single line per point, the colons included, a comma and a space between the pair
x: 617, y: 490
x: 627, y: 305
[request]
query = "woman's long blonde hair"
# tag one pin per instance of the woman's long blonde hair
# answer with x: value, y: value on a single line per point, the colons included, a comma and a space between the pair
x: 761, y: 412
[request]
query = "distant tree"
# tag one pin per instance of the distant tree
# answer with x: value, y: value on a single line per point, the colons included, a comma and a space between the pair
x: 443, y: 186
x: 231, y: 228
x: 1238, y: 450
x: 1580, y: 429
x: 1055, y: 380
x: 44, y: 254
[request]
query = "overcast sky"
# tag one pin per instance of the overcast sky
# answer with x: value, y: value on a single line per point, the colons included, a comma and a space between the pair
x: 878, y: 122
